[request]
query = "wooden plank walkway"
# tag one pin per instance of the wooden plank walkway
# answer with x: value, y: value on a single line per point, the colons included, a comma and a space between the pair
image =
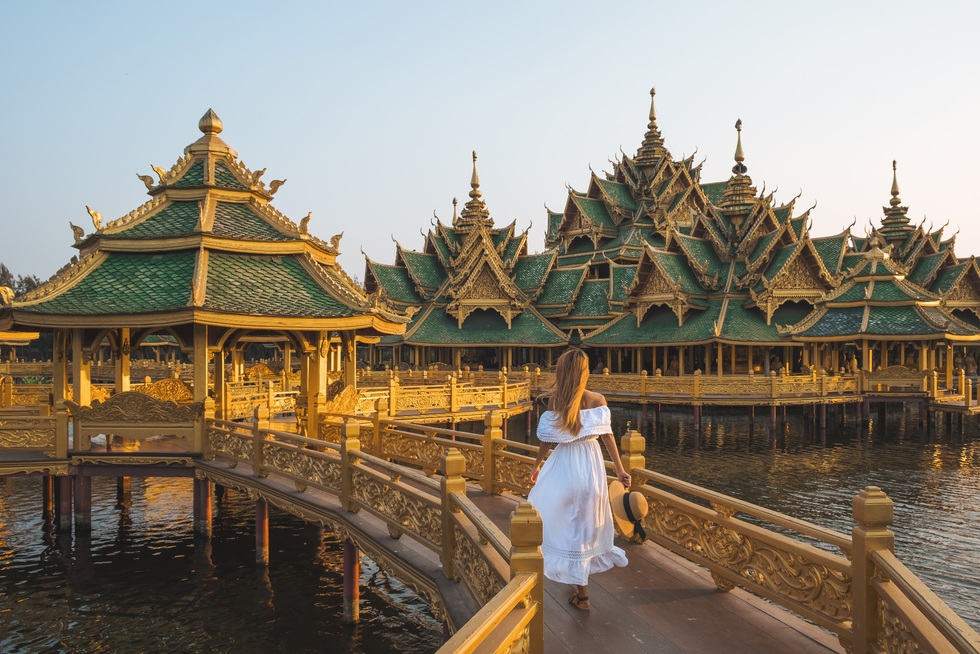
x: 662, y: 603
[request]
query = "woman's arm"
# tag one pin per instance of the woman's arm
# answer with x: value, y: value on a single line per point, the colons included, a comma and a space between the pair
x: 621, y: 472
x: 542, y: 453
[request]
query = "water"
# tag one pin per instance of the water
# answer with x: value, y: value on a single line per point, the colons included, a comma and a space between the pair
x: 933, y: 476
x: 142, y: 583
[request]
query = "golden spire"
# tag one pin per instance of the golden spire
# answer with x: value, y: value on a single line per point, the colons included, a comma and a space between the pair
x: 475, y: 181
x: 652, y: 148
x: 895, y: 201
x: 210, y: 123
x: 454, y: 211
x: 739, y: 168
x: 211, y: 126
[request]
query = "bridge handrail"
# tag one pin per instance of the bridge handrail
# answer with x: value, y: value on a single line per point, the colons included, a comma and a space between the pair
x: 498, y: 620
x: 907, y: 601
x: 489, y: 531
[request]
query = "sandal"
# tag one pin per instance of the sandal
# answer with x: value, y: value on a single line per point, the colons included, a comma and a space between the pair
x: 577, y: 601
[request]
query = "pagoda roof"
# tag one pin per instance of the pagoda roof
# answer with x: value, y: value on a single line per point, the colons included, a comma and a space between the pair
x: 483, y: 328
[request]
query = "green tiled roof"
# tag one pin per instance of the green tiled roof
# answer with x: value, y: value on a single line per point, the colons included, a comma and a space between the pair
x: 236, y: 220
x: 714, y: 191
x: 574, y: 260
x: 675, y: 265
x: 659, y: 326
x: 426, y: 267
x: 591, y: 299
x: 782, y: 214
x: 851, y: 261
x: 889, y: 291
x: 778, y: 261
x: 554, y: 220
x: 499, y: 237
x: 127, y: 283
x: 596, y: 211
x: 947, y: 277
x: 884, y: 321
x: 854, y: 294
x: 267, y: 286
x: 703, y: 251
x: 658, y: 241
x: 925, y: 267
x: 791, y: 313
x: 530, y: 270
x: 621, y: 276
x: 858, y: 243
x: 762, y: 244
x: 940, y: 317
x: 747, y: 325
x: 193, y: 177
x: 830, y: 250
x: 396, y: 281
x: 451, y: 236
x: 619, y: 193
x: 837, y: 322
x: 560, y: 285
x: 440, y: 245
x: 483, y: 327
x: 224, y: 177
x: 177, y: 219
x: 512, y: 248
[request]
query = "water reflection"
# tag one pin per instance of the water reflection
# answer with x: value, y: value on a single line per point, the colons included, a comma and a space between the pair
x: 143, y: 583
x: 795, y: 467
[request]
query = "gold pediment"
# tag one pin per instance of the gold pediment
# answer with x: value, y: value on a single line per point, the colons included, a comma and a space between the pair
x: 797, y: 276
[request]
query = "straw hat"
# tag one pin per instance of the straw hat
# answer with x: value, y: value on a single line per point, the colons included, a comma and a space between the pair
x: 628, y: 510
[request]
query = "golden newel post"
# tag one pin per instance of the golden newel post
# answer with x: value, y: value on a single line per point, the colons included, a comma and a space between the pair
x: 874, y: 512
x: 632, y: 447
x: 491, y: 435
x: 525, y: 556
x: 453, y: 467
x: 352, y: 557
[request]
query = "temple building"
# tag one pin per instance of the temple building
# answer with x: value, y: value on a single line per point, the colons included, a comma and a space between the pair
x: 652, y: 268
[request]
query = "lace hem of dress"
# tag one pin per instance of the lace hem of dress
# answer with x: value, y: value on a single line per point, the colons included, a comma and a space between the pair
x: 577, y: 571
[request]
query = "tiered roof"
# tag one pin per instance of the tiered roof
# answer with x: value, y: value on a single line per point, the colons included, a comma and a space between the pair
x: 649, y: 253
x: 208, y: 247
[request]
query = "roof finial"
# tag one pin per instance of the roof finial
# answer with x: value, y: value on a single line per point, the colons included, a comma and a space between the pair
x: 454, y: 211
x: 210, y: 123
x: 652, y: 149
x: 739, y: 168
x: 653, y: 108
x: 475, y: 181
x: 895, y: 201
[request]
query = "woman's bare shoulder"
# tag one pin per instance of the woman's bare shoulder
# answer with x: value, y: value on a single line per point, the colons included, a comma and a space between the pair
x: 591, y: 400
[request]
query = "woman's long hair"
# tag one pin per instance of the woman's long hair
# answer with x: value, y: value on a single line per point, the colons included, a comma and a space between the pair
x: 571, y: 374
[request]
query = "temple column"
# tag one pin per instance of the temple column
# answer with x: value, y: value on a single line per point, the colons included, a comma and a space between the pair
x: 316, y: 383
x: 287, y: 358
x: 949, y: 366
x: 680, y: 360
x: 349, y: 345
x: 733, y: 359
x: 902, y: 354
x: 751, y: 360
x: 200, y: 380
x: 81, y: 381
x: 219, y: 381
x: 721, y: 361
x: 122, y: 361
x: 865, y: 356
x: 884, y: 355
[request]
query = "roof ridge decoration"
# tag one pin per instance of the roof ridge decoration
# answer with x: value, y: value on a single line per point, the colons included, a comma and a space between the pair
x: 138, y: 214
x: 739, y: 197
x: 895, y: 225
x: 475, y: 211
x: 63, y: 280
x: 342, y: 287
x: 652, y: 149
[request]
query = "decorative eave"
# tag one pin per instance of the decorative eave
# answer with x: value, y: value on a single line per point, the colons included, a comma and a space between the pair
x: 341, y: 287
x: 67, y: 277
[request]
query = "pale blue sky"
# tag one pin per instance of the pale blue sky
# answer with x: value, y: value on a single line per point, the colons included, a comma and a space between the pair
x: 370, y: 110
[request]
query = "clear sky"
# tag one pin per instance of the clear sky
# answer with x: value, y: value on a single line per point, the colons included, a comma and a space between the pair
x: 371, y: 109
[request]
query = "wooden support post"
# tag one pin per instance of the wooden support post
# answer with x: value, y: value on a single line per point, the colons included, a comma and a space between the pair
x: 772, y: 415
x: 124, y: 489
x: 752, y: 416
x: 349, y: 442
x: 866, y: 410
x: 261, y: 532
x: 873, y: 512
x: 64, y: 503
x: 352, y: 582
x: 453, y: 468
x: 645, y: 409
x: 525, y: 557
x: 697, y: 418
x: 823, y: 416
x: 83, y: 504
x: 47, y: 497
x: 491, y: 435
x: 122, y: 361
x: 202, y: 507
x: 721, y: 361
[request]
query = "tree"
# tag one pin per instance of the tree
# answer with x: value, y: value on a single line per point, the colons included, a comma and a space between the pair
x: 6, y: 277
x: 21, y: 284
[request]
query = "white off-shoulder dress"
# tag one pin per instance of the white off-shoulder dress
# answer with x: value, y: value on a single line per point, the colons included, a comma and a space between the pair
x: 572, y: 497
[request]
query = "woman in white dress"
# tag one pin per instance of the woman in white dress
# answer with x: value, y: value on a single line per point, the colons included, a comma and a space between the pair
x: 570, y: 489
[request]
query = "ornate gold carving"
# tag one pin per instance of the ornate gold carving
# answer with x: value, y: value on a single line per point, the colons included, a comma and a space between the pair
x: 894, y: 636
x: 131, y: 460
x: 314, y: 469
x: 136, y: 408
x: 963, y: 290
x: 167, y: 389
x: 480, y: 577
x: 259, y: 371
x: 411, y: 513
x: 238, y: 446
x: 824, y: 590
x: 896, y: 372
x: 796, y: 276
x: 38, y: 438
x: 513, y: 472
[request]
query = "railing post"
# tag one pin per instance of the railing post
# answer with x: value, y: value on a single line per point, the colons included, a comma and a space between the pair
x: 823, y: 384
x: 453, y: 397
x: 874, y: 512
x: 491, y: 433
x: 380, y: 407
x: 772, y: 384
x: 633, y: 445
x: 258, y: 458
x: 934, y: 384
x: 392, y: 396
x: 60, y: 430
x: 348, y: 443
x: 503, y: 390
x: 453, y: 468
x: 968, y: 389
x: 697, y: 383
x: 269, y: 395
x: 207, y: 416
x: 643, y: 383
x: 525, y: 556
x: 962, y: 381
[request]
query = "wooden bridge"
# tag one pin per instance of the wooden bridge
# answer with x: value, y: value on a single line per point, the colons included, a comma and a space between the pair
x: 441, y: 511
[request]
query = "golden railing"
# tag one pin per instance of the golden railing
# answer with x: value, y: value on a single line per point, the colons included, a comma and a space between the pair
x: 817, y: 573
x: 450, y: 396
x: 242, y: 398
x: 504, y: 576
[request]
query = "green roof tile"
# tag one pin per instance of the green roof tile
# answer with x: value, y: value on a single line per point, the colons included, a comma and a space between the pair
x: 591, y: 299
x: 193, y: 177
x: 702, y: 251
x: 596, y: 211
x: 554, y: 221
x: 236, y: 220
x: 126, y: 284
x: 747, y: 325
x: 620, y: 194
x: 224, y: 177
x: 621, y: 277
x: 925, y: 267
x: 837, y: 322
x: 440, y: 245
x: 830, y: 250
x: 884, y: 321
x: 762, y: 244
x: 530, y: 270
x: 560, y: 285
x: 426, y: 267
x: 177, y: 219
x: 778, y: 261
x: 483, y: 327
x: 267, y: 286
x: 947, y: 277
x: 675, y: 265
x: 856, y: 293
x: 397, y: 282
x: 659, y: 326
x: 714, y: 191
x: 851, y: 261
x: 513, y: 247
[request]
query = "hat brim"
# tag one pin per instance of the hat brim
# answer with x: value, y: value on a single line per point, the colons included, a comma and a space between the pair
x: 623, y: 526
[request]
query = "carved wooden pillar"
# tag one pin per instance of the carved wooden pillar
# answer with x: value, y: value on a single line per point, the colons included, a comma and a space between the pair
x: 202, y: 508
x: 219, y: 381
x: 721, y: 358
x: 349, y: 345
x: 873, y: 512
x: 122, y: 360
x: 352, y: 582
x: 83, y: 504
x: 261, y: 532
x: 59, y: 365
x: 200, y: 380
